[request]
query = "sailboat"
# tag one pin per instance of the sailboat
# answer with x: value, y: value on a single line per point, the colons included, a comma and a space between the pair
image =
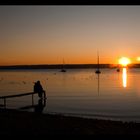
x: 63, y: 70
x: 98, y: 70
x: 118, y: 69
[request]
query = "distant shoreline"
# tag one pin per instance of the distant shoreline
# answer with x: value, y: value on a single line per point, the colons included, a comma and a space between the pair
x: 67, y: 66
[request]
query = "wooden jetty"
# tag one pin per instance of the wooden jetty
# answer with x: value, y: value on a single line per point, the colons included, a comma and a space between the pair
x: 20, y: 95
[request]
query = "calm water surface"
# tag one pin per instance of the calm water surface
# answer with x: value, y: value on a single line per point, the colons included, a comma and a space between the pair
x: 80, y: 92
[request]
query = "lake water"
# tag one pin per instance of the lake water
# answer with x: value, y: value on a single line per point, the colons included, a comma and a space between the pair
x: 78, y: 92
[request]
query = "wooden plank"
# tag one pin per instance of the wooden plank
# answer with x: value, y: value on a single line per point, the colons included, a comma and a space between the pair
x: 18, y: 95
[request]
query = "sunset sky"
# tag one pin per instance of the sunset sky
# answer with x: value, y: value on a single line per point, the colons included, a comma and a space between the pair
x: 47, y: 34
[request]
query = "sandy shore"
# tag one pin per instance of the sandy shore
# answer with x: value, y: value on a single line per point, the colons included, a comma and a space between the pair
x: 21, y: 122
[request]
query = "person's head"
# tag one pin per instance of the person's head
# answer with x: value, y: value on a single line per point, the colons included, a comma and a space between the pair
x: 38, y: 82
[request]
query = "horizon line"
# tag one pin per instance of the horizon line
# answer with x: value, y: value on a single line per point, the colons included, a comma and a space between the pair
x: 65, y: 64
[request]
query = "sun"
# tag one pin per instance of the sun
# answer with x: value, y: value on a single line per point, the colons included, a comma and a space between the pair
x: 138, y: 58
x: 124, y: 61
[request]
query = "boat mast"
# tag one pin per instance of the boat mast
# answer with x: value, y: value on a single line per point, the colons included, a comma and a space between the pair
x: 98, y: 59
x: 97, y: 71
x: 63, y: 64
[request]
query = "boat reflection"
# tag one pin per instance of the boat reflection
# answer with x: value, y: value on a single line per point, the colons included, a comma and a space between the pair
x: 98, y: 84
x: 124, y: 77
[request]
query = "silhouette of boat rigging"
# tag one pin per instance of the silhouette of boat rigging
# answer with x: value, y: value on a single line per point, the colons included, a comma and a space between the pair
x: 63, y: 69
x: 98, y: 66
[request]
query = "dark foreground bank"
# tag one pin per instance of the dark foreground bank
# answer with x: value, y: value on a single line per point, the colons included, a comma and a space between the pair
x: 19, y: 122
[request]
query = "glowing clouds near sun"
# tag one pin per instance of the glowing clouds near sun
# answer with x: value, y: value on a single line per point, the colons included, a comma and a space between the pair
x: 124, y: 61
x: 138, y: 58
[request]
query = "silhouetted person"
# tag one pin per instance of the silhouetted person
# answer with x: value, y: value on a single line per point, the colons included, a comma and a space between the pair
x: 38, y: 88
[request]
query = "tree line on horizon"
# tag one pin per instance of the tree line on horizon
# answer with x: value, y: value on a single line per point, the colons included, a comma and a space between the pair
x: 67, y: 66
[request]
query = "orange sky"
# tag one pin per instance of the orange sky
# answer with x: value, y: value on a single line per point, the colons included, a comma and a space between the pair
x: 47, y: 34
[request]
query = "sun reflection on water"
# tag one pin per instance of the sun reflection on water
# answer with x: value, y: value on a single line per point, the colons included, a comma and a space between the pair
x: 124, y: 77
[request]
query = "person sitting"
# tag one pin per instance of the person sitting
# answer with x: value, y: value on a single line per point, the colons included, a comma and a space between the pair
x: 39, y: 89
